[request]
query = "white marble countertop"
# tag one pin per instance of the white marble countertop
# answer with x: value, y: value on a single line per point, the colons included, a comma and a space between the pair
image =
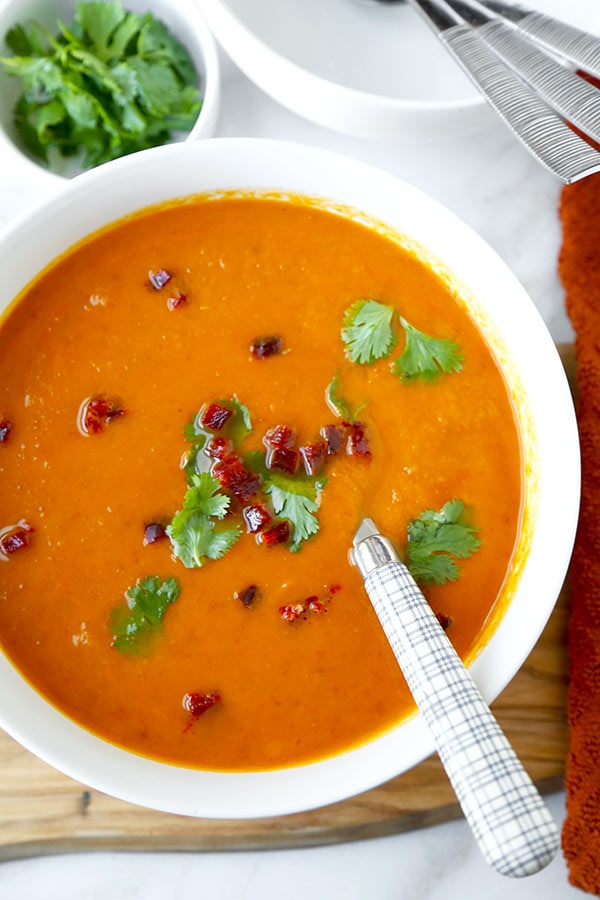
x: 493, y: 184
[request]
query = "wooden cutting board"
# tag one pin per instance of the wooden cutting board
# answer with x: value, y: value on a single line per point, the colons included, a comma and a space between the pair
x: 43, y: 811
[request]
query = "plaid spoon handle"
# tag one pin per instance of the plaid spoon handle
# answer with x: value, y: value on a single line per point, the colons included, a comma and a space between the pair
x: 508, y: 817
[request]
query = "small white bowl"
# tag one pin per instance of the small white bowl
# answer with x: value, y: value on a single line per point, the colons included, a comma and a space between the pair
x: 532, y: 368
x: 366, y: 68
x: 183, y: 19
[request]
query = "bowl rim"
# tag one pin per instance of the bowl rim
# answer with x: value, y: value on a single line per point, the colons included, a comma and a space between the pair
x: 177, y: 170
x: 348, y: 110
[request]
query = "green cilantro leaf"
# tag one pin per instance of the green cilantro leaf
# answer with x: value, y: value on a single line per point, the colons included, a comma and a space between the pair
x: 368, y: 333
x: 157, y: 87
x: 80, y: 107
x: 335, y: 401
x: 337, y: 404
x: 240, y: 424
x: 156, y: 42
x: 23, y: 43
x: 122, y: 38
x: 33, y: 123
x: 297, y: 500
x: 426, y: 356
x: 138, y: 620
x: 192, y: 532
x: 194, y: 540
x: 99, y: 20
x: 123, y: 83
x: 436, y: 540
x: 204, y: 498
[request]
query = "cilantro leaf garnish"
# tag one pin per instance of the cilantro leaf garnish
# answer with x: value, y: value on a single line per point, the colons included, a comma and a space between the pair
x: 368, y: 332
x: 336, y: 402
x: 195, y: 462
x: 194, y: 540
x: 426, y: 356
x: 135, y: 622
x: 296, y: 499
x: 192, y: 532
x: 203, y: 498
x: 436, y: 539
x: 369, y: 335
x: 240, y: 423
x: 110, y: 84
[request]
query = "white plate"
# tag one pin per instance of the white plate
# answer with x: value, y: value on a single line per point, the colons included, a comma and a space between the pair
x: 362, y: 67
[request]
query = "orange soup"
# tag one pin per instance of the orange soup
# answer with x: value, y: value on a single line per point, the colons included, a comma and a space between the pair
x: 198, y: 405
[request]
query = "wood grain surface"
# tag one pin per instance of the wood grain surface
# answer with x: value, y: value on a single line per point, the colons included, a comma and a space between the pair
x: 43, y: 811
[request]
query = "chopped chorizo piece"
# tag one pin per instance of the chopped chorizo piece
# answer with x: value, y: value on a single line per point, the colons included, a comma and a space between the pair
x: 315, y: 604
x: 334, y: 436
x: 281, y: 458
x: 176, y: 300
x: 247, y: 596
x: 444, y: 620
x: 256, y: 517
x: 197, y: 702
x: 357, y: 444
x: 159, y: 278
x: 98, y: 412
x: 153, y: 532
x: 233, y: 476
x: 218, y: 447
x: 15, y: 538
x: 280, y: 437
x: 276, y: 534
x: 263, y: 347
x: 5, y: 430
x: 214, y: 416
x: 291, y: 611
x: 313, y: 456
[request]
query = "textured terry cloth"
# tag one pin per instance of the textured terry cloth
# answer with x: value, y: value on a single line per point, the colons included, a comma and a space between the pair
x: 579, y: 268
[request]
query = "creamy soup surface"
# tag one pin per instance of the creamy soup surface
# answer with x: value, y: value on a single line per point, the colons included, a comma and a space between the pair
x: 115, y: 367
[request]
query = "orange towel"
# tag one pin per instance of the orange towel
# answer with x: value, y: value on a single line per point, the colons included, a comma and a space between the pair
x: 579, y: 268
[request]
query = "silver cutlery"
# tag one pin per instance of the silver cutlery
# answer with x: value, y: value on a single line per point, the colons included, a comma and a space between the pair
x: 513, y: 827
x: 529, y: 68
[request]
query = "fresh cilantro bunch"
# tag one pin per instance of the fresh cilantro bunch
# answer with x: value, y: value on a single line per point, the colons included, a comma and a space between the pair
x: 369, y: 334
x: 436, y: 539
x: 110, y: 84
x: 137, y: 621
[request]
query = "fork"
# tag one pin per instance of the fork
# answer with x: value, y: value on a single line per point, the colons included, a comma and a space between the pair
x: 528, y: 65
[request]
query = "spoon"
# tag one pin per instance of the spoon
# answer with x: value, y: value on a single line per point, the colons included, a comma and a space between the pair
x: 510, y: 53
x: 508, y: 818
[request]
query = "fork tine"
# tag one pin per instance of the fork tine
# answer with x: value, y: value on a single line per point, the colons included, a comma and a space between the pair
x: 538, y: 127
